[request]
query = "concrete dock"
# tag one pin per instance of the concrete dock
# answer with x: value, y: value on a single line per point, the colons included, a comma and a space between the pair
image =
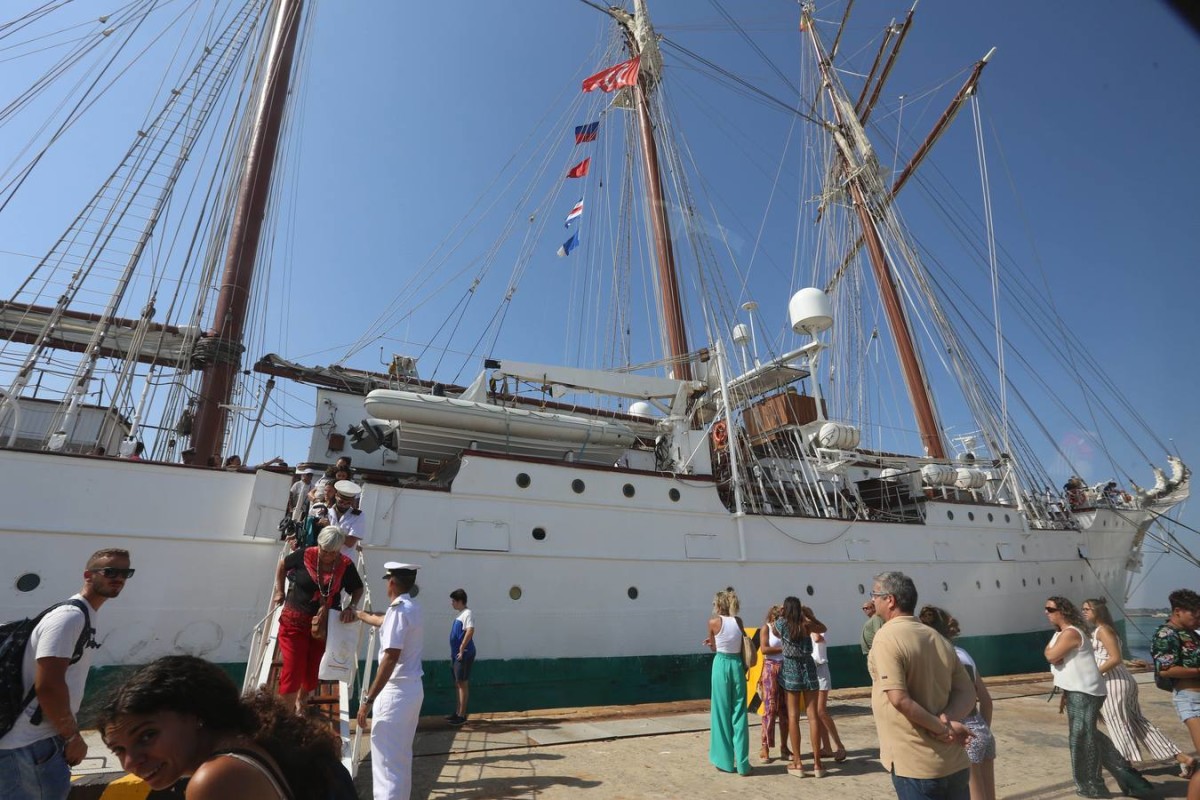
x: 661, y: 751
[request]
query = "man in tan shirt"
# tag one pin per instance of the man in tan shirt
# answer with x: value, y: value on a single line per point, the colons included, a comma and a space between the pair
x: 919, y: 695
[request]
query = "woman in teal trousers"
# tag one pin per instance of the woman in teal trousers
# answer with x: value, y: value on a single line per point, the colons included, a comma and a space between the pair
x: 729, y: 740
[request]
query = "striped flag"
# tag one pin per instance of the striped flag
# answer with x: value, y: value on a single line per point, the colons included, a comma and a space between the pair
x: 586, y: 133
x: 575, y: 214
x: 613, y: 78
x: 569, y: 245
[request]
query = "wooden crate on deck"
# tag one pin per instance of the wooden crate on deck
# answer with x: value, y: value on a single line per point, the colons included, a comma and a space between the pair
x: 769, y: 418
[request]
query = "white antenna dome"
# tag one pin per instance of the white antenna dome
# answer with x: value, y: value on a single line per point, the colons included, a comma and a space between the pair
x: 810, y: 311
x: 641, y: 409
x: 741, y: 334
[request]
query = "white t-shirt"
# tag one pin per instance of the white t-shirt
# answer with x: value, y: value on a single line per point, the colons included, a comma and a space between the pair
x: 404, y: 630
x: 54, y: 637
x: 467, y: 619
x: 353, y: 523
x: 820, y: 649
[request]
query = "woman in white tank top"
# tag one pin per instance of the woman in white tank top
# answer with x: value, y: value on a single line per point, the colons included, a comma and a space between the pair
x: 1076, y: 674
x: 729, y: 738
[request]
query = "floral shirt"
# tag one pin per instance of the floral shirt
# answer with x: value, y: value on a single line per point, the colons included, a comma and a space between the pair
x: 1172, y: 647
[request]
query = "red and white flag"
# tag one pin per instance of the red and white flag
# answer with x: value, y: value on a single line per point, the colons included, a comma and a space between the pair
x: 613, y: 78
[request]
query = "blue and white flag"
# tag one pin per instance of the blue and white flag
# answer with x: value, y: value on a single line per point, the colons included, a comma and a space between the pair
x: 575, y: 214
x: 569, y: 245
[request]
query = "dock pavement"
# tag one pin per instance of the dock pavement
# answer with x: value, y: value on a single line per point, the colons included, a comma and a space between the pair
x: 661, y: 751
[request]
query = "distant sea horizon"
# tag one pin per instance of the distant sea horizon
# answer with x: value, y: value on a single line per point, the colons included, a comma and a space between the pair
x: 1140, y: 625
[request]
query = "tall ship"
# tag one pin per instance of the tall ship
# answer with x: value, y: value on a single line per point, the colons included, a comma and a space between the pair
x: 870, y: 405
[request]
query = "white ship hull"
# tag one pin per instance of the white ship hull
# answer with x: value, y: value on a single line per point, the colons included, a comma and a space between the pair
x: 204, y: 546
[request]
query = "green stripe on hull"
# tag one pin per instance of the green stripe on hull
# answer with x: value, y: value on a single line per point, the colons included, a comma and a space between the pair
x: 525, y: 684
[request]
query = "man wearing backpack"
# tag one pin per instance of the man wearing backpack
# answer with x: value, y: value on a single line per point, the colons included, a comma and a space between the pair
x: 1176, y: 651
x: 37, y: 753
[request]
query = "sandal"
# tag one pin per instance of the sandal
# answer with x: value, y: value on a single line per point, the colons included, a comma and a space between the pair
x: 765, y: 755
x: 840, y: 755
x: 1188, y: 768
x: 798, y: 766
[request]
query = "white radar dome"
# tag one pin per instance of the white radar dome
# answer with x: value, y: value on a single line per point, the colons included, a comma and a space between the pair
x: 810, y: 311
x: 741, y: 334
x: 641, y: 409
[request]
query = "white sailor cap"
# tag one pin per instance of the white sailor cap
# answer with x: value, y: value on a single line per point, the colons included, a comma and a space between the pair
x: 395, y: 568
x: 307, y: 471
x: 348, y: 489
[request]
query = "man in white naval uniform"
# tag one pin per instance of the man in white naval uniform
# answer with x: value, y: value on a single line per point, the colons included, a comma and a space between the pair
x: 394, y: 699
x: 346, y: 515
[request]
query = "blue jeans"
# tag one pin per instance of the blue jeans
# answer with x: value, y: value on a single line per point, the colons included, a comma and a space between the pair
x: 35, y: 772
x: 951, y: 787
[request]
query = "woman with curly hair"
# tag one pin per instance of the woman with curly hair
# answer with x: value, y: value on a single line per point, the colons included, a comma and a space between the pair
x: 729, y: 739
x: 981, y: 747
x: 182, y: 717
x: 1076, y: 674
x: 799, y: 678
x: 1123, y: 718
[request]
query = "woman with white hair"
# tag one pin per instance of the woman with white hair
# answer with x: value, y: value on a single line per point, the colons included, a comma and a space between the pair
x: 319, y: 576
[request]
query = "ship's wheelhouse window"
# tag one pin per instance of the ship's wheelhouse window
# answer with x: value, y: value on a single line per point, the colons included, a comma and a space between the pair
x: 28, y: 582
x: 633, y: 593
x: 539, y: 534
x: 577, y: 486
x: 514, y: 593
x: 674, y: 495
x: 523, y: 480
x: 628, y: 490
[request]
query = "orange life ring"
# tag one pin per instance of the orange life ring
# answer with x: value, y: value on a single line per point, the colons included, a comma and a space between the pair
x: 720, y: 434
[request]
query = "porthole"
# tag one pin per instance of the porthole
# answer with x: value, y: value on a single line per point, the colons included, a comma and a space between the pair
x: 632, y: 592
x: 809, y: 590
x: 971, y: 516
x: 628, y: 490
x: 1039, y: 581
x: 674, y: 495
x: 997, y: 583
x: 945, y: 586
x: 949, y: 515
x: 28, y: 582
x: 1022, y: 548
x: 523, y: 480
x: 978, y: 585
x: 1007, y: 518
x: 514, y: 593
x: 862, y: 589
x: 414, y: 591
x: 1022, y: 581
x: 1052, y: 581
x: 539, y: 534
x: 577, y: 486
x: 990, y: 517
x: 1072, y: 577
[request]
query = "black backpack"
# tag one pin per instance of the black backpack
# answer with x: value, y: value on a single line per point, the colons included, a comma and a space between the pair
x: 14, y: 637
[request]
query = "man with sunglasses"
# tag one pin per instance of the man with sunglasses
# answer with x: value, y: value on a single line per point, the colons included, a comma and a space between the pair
x: 36, y: 756
x: 870, y: 627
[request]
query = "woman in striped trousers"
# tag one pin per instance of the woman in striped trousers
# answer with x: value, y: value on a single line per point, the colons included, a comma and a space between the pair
x: 1128, y: 728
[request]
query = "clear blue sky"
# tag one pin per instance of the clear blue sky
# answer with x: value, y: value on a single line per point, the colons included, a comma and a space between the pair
x: 409, y: 110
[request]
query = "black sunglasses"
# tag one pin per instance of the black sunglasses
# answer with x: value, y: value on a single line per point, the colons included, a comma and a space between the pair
x: 1050, y: 610
x: 115, y: 572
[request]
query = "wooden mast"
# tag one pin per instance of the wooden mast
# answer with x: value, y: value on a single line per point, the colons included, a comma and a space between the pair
x: 641, y: 41
x: 848, y: 128
x: 221, y: 353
